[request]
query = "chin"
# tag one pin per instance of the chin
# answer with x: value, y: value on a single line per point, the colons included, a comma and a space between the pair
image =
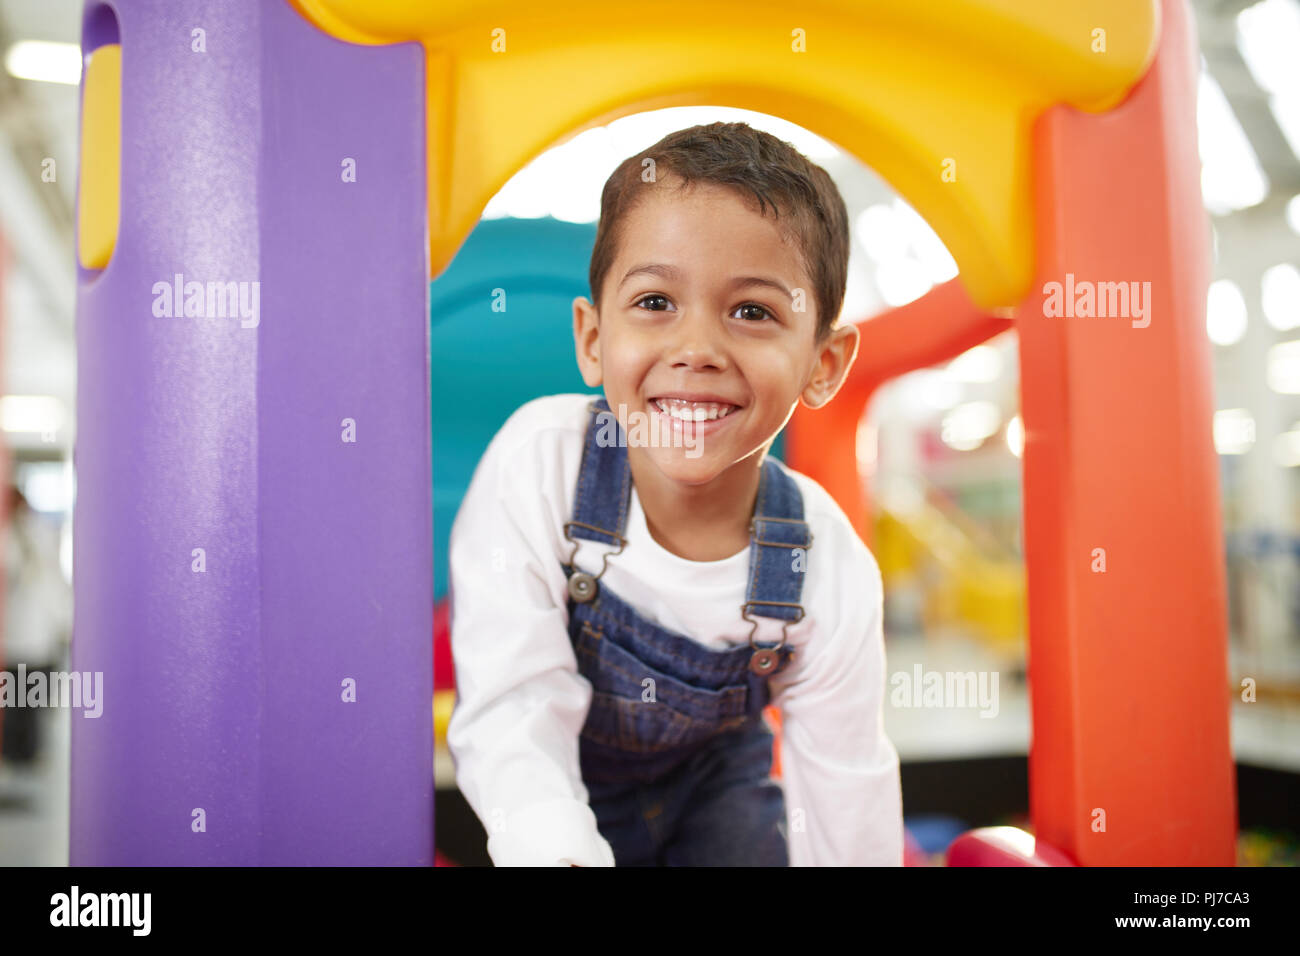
x: 675, y: 466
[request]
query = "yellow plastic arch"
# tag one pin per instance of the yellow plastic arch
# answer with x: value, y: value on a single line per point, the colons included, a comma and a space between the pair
x: 939, y: 96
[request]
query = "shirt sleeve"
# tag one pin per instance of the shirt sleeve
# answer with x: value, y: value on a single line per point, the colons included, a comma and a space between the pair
x: 840, y: 772
x: 520, y: 701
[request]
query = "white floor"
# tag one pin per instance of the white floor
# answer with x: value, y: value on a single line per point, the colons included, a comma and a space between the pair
x: 1263, y: 733
x: 34, y: 798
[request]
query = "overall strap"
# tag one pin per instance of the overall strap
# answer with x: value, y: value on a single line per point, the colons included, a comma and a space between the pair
x: 779, y: 540
x: 596, y: 516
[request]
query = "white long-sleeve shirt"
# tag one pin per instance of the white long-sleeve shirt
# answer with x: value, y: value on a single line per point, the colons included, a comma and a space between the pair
x: 521, y: 702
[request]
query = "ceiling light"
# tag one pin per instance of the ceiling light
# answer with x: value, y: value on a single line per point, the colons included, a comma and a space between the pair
x: 877, y: 228
x: 1016, y: 436
x: 31, y: 414
x: 979, y: 365
x: 47, y: 62
x: 1234, y: 431
x: 1225, y: 313
x: 901, y: 281
x: 1293, y: 214
x: 1231, y: 177
x: 1286, y: 449
x: 1283, y: 372
x: 925, y: 243
x: 1268, y: 36
x: 967, y: 426
x: 1280, y: 292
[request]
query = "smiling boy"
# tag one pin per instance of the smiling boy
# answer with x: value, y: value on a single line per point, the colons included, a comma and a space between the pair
x: 622, y: 611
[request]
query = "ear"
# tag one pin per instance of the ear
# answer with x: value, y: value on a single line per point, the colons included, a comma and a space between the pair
x: 834, y: 359
x: 586, y: 340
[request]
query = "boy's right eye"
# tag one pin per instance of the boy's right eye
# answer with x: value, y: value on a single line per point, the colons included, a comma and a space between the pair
x: 642, y: 302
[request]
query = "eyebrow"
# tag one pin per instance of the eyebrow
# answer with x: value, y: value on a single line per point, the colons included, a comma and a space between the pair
x: 672, y: 273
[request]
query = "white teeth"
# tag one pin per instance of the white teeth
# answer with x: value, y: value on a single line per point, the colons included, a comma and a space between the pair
x: 693, y: 411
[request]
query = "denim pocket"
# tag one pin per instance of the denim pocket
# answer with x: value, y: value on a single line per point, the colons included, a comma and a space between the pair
x: 634, y: 725
x: 615, y: 670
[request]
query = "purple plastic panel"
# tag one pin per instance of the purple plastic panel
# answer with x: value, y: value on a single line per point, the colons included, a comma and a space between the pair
x: 223, y: 689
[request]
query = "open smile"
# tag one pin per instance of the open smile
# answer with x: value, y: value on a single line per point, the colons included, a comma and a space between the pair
x: 701, y: 417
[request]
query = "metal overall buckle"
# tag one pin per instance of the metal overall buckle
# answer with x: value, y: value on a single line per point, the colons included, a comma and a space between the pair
x: 764, y: 659
x: 582, y: 586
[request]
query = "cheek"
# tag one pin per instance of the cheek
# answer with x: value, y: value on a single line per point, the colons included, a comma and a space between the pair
x: 623, y: 367
x: 619, y: 360
x: 774, y: 374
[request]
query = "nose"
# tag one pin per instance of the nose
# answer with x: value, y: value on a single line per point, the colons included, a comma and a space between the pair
x: 695, y: 341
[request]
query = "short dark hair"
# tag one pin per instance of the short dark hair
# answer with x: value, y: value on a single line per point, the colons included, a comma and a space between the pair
x: 760, y: 167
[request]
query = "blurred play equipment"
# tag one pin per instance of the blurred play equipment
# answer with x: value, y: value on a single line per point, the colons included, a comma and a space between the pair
x: 913, y: 854
x: 533, y: 264
x: 253, y: 518
x: 253, y: 551
x: 500, y: 334
x: 927, y: 837
x: 1003, y: 846
x: 972, y: 582
x: 1122, y: 515
x: 523, y: 274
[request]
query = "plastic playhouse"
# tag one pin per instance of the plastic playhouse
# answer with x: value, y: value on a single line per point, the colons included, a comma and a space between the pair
x: 253, y: 525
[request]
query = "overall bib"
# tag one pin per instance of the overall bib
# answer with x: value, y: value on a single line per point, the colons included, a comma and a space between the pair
x: 674, y: 753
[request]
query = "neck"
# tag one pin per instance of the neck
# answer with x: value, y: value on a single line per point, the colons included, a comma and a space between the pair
x: 706, y: 522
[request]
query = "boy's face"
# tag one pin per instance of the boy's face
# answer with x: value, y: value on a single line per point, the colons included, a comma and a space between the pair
x: 703, y: 301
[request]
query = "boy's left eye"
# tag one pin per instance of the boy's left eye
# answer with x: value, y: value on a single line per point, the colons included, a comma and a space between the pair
x: 756, y: 313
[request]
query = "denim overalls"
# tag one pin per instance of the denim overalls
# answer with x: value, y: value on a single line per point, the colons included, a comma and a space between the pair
x: 675, y: 754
